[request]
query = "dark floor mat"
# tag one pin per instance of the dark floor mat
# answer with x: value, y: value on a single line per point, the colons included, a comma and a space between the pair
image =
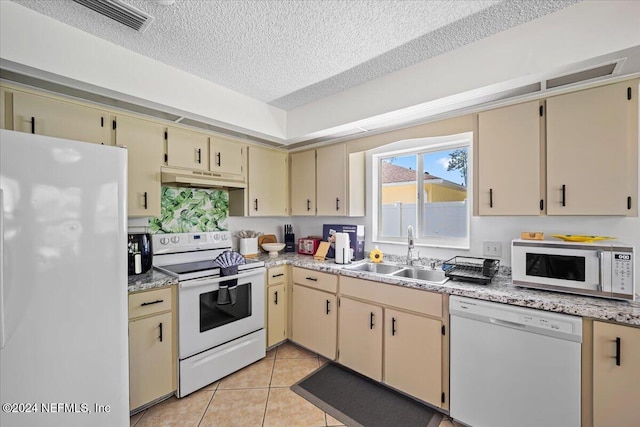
x: 358, y: 401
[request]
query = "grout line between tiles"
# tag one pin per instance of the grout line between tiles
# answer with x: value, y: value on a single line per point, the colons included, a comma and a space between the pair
x: 207, y: 407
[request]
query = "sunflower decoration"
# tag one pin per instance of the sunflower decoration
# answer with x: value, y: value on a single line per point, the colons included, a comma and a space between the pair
x: 376, y: 255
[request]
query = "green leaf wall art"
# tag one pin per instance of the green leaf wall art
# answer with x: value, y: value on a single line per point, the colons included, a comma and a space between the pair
x: 188, y: 210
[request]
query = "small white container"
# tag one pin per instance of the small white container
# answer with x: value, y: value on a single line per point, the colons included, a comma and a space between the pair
x: 249, y: 247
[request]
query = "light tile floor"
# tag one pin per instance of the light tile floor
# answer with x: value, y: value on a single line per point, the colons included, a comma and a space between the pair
x: 256, y: 396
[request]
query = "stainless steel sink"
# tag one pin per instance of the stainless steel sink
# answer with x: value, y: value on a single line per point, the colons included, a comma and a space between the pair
x: 394, y: 270
x: 371, y: 267
x: 435, y: 276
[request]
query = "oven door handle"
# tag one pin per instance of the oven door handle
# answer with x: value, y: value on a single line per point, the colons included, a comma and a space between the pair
x: 196, y: 283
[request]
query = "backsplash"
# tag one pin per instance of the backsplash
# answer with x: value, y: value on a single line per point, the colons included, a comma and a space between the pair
x: 185, y: 210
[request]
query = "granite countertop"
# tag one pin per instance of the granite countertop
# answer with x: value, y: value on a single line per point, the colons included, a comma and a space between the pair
x: 499, y: 290
x: 150, y: 280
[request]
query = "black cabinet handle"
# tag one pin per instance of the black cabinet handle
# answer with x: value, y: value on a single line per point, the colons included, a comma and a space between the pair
x: 491, y: 197
x: 313, y: 279
x: 275, y: 300
x: 371, y: 321
x: 629, y: 202
x: 564, y: 194
x: 327, y: 306
x: 278, y: 275
x: 33, y: 125
x: 219, y: 161
x: 199, y: 151
x: 152, y: 302
x: 337, y: 204
x: 617, y: 357
x: 145, y: 200
x: 160, y: 331
x: 308, y: 204
x: 393, y: 326
x: 255, y: 205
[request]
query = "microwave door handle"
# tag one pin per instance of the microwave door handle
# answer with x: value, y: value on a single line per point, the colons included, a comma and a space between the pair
x: 600, y: 269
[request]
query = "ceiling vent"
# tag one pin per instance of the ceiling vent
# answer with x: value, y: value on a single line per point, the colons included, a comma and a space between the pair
x: 580, y: 76
x: 120, y: 12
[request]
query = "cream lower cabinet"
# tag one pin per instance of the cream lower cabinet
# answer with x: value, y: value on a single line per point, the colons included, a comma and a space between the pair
x: 413, y: 355
x: 152, y: 350
x: 396, y: 335
x: 277, y: 305
x: 315, y: 312
x: 360, y: 337
x: 616, y: 375
x: 144, y: 141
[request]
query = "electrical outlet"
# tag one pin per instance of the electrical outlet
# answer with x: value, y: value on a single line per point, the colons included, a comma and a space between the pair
x: 492, y: 249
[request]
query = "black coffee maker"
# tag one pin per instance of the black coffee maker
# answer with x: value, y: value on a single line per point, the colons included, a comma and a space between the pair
x: 140, y: 256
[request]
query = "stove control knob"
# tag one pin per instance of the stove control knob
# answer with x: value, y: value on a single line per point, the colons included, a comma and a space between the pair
x: 216, y: 236
x: 164, y: 241
x: 175, y: 239
x: 225, y: 237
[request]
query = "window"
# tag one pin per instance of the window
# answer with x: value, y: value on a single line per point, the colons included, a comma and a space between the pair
x: 435, y: 202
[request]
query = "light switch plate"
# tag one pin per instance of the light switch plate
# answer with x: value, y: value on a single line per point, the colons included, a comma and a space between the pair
x: 492, y: 249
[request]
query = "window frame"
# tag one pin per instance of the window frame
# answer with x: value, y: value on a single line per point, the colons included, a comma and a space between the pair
x: 418, y: 147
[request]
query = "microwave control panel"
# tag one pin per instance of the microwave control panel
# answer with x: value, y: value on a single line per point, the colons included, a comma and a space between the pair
x: 622, y: 272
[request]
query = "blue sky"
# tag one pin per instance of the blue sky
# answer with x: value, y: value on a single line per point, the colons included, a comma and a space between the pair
x: 434, y: 163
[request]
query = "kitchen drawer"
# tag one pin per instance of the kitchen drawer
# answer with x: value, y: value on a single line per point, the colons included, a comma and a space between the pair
x: 149, y: 302
x: 424, y: 302
x: 276, y: 275
x: 315, y: 279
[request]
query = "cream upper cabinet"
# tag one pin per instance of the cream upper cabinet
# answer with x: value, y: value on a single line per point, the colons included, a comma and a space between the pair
x: 268, y: 185
x: 510, y: 144
x: 616, y: 375
x: 186, y: 149
x: 332, y: 180
x: 47, y: 116
x: 592, y: 151
x: 227, y: 156
x: 328, y: 182
x: 144, y: 141
x: 360, y: 337
x: 303, y: 183
x: 152, y: 361
x: 413, y: 355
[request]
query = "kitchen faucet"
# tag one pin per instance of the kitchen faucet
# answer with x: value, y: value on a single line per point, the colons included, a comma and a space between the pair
x: 409, y: 245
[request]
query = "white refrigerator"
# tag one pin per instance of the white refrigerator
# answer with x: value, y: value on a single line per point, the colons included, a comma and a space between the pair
x: 63, y: 293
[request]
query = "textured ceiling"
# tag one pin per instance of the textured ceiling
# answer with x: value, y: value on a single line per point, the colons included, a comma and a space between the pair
x: 289, y: 53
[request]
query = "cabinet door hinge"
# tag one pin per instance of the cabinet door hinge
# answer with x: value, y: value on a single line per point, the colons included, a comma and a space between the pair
x: 442, y: 397
x: 166, y: 158
x: 541, y: 110
x: 338, y: 355
x: 166, y: 135
x: 113, y: 124
x: 443, y: 330
x: 541, y: 204
x: 338, y: 301
x: 629, y: 93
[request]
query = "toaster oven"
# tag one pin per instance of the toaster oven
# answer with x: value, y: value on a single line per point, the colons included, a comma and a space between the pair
x: 308, y: 246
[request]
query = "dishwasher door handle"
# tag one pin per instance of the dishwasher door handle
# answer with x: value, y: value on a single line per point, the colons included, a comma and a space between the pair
x: 506, y: 323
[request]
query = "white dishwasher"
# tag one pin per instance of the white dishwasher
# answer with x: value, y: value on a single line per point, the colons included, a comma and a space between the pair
x: 513, y: 366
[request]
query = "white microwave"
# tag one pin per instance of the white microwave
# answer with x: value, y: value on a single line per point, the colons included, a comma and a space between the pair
x: 596, y: 269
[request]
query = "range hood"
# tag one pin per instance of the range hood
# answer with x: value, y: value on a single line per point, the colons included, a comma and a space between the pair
x: 200, y: 179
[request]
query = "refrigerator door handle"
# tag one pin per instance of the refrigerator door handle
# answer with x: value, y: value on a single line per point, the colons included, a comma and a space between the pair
x: 2, y: 336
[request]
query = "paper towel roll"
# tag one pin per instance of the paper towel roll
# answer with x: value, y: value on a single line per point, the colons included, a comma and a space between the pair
x: 343, y: 249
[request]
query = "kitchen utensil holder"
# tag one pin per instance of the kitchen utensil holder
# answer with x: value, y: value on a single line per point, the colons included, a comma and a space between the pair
x: 470, y: 269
